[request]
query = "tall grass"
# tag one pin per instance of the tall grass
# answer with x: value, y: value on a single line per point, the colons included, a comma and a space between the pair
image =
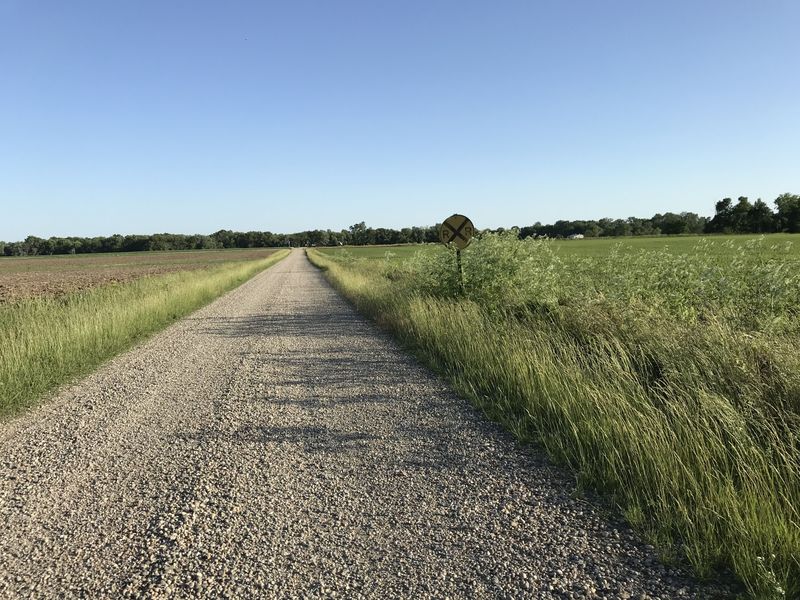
x: 45, y: 342
x: 671, y: 384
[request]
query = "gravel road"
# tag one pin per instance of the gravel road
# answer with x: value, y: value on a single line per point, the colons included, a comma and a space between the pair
x: 276, y: 444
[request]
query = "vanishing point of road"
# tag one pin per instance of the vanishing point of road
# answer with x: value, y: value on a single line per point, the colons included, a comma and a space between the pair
x: 275, y: 444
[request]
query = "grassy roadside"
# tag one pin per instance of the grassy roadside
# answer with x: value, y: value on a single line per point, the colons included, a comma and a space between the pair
x: 684, y: 421
x: 46, y: 342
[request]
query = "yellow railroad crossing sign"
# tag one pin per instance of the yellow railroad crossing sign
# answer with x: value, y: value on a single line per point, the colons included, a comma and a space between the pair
x: 457, y: 230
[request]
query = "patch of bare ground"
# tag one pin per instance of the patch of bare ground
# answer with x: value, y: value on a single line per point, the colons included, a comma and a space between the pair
x: 53, y: 276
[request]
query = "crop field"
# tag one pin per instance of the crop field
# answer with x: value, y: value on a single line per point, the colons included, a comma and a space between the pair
x: 785, y: 246
x: 60, y: 317
x: 664, y: 372
x: 38, y: 276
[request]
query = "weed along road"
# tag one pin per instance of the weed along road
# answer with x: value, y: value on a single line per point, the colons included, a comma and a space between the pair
x: 277, y: 444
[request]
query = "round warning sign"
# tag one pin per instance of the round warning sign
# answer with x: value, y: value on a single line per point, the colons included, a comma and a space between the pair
x: 456, y: 230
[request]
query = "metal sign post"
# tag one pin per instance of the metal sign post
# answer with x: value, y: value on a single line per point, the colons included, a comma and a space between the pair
x: 456, y: 232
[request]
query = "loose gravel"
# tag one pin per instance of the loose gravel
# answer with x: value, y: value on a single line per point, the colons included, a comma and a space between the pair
x: 276, y: 444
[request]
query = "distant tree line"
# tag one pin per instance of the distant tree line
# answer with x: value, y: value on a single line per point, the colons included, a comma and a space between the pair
x: 741, y: 216
x: 744, y: 217
x: 358, y: 234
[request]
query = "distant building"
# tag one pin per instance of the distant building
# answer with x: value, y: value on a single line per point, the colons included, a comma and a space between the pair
x: 575, y: 236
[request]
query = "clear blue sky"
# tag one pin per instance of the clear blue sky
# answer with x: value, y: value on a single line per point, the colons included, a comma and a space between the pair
x: 139, y: 116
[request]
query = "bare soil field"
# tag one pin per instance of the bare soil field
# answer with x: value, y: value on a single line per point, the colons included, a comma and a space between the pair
x: 52, y: 276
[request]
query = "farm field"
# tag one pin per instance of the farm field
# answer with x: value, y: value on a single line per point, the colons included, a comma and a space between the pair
x: 784, y: 245
x: 60, y: 317
x: 721, y: 245
x: 664, y: 372
x: 36, y: 276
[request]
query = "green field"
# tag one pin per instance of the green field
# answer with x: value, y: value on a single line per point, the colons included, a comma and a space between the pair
x: 717, y: 244
x: 664, y: 372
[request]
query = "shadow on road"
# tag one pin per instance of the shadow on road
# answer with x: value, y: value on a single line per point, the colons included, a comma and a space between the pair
x: 320, y: 324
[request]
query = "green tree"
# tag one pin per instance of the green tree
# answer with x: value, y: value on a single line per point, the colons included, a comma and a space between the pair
x: 788, y: 206
x: 112, y: 243
x: 740, y: 215
x: 592, y: 229
x: 360, y: 234
x: 761, y: 218
x: 675, y: 224
x: 31, y: 245
x: 319, y: 237
x: 671, y: 223
x: 641, y: 226
x: 723, y: 217
x: 224, y: 238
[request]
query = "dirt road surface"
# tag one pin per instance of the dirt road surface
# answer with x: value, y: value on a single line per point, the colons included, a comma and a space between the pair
x: 276, y: 444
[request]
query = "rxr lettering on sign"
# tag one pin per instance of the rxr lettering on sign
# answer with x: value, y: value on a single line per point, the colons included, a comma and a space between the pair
x: 457, y: 230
